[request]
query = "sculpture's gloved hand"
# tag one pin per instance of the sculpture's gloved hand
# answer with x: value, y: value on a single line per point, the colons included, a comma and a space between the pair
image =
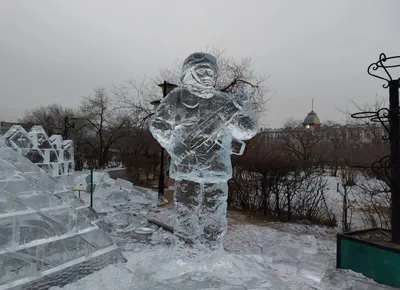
x: 241, y: 101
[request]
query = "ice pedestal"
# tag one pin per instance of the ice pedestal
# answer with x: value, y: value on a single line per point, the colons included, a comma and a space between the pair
x: 118, y: 197
x: 301, y: 259
x: 281, y: 254
x: 44, y: 239
x: 312, y: 267
x: 122, y: 183
x: 309, y: 245
x: 158, y: 269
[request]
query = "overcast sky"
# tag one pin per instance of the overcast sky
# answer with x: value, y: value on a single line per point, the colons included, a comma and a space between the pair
x: 57, y: 51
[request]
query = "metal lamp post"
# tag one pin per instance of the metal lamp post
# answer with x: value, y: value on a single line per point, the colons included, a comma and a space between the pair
x: 69, y: 123
x: 166, y: 89
x: 391, y: 116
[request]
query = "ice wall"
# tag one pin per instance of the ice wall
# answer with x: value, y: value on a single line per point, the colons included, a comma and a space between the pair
x: 53, y: 154
x: 45, y: 239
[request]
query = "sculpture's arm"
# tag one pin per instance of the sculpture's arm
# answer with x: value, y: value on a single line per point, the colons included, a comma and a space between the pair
x: 161, y: 124
x: 166, y: 131
x: 245, y: 125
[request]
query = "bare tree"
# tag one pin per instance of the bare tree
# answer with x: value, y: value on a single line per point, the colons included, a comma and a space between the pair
x: 49, y: 117
x: 139, y: 153
x: 135, y: 97
x: 373, y: 200
x: 105, y: 124
x: 279, y: 186
x: 299, y: 141
x: 369, y: 136
x: 347, y: 181
x: 372, y: 156
x: 337, y: 147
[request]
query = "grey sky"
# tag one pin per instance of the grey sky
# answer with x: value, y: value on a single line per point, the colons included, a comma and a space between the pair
x: 58, y: 51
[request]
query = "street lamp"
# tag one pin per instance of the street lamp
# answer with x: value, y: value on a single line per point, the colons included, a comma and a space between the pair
x: 69, y: 123
x: 166, y: 89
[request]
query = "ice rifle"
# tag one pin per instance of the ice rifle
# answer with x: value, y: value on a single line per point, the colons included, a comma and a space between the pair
x: 220, y: 119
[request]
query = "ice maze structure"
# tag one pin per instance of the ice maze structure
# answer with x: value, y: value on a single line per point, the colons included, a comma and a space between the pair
x: 53, y: 154
x: 47, y: 235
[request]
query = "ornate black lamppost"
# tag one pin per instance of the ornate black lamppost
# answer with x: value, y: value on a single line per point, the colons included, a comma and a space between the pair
x: 167, y: 88
x: 69, y: 123
x: 389, y: 118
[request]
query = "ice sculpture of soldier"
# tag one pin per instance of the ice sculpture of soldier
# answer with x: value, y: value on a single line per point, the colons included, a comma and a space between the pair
x: 196, y: 125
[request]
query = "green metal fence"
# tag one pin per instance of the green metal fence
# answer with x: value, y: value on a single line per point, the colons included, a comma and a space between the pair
x: 376, y: 261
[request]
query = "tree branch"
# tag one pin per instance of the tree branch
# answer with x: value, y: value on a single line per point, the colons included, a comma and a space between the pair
x: 236, y: 81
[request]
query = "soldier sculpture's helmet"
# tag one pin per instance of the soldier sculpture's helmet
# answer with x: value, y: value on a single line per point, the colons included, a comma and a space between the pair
x: 197, y: 59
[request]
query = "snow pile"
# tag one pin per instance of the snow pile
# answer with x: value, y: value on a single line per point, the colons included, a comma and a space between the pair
x: 269, y: 256
x: 110, y: 193
x: 123, y: 208
x: 100, y: 179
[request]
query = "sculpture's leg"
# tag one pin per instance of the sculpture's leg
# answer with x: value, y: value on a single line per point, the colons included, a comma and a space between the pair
x: 214, y: 209
x: 187, y: 198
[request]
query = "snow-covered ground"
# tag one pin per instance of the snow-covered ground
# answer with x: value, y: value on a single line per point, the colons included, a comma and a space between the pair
x: 259, y: 254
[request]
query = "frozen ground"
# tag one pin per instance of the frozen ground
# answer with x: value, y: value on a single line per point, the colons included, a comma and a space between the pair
x: 259, y: 255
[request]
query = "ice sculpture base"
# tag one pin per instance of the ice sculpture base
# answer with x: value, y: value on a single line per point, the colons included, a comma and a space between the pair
x: 70, y: 271
x: 158, y: 269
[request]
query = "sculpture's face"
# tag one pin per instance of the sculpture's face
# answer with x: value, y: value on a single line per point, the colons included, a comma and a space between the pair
x: 200, y: 72
x: 206, y: 75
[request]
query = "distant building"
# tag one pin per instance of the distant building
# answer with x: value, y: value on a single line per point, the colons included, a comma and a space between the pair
x: 356, y: 133
x: 312, y: 120
x: 5, y: 126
